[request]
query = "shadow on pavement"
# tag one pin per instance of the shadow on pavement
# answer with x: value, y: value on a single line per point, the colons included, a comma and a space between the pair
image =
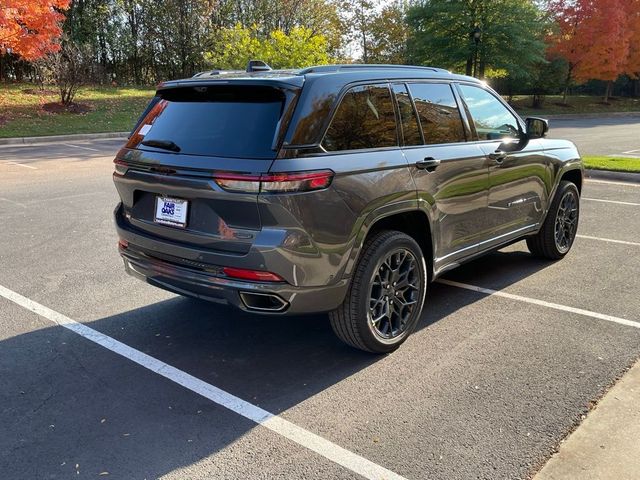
x: 67, y: 402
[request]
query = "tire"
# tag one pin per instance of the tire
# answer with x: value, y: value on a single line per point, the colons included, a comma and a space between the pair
x: 555, y: 238
x: 374, y: 276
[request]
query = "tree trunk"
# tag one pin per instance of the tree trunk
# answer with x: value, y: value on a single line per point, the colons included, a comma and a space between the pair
x: 607, y: 91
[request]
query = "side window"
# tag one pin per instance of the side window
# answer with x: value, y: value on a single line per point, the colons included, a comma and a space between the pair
x: 491, y: 118
x: 408, y: 120
x: 364, y: 119
x: 438, y: 112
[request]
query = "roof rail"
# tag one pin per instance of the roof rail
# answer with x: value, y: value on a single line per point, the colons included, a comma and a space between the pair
x: 207, y: 73
x: 366, y: 66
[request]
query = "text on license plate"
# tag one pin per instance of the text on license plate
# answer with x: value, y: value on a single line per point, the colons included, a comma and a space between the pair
x: 171, y: 211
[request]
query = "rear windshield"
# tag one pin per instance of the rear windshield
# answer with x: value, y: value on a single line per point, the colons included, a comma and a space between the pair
x: 226, y: 121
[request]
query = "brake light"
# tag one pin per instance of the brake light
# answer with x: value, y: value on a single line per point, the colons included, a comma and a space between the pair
x: 120, y: 166
x: 238, y: 182
x: 275, y: 182
x: 253, y: 275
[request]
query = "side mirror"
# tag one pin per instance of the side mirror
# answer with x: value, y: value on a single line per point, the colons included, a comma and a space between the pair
x: 537, y: 127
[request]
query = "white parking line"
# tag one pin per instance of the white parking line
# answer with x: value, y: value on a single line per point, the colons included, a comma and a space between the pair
x: 13, y: 202
x: 610, y: 240
x: 19, y: 165
x: 625, y: 184
x: 299, y: 435
x: 611, y: 201
x: 78, y: 146
x: 535, y: 301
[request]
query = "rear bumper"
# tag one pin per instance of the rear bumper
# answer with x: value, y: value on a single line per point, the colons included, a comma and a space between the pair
x: 283, y: 298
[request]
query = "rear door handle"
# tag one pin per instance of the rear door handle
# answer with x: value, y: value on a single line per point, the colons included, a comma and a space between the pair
x: 498, y: 156
x: 429, y: 164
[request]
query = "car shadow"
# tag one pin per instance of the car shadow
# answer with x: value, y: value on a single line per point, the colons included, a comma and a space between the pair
x: 66, y: 402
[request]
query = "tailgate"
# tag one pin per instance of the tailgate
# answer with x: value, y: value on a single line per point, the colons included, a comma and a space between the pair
x: 164, y: 175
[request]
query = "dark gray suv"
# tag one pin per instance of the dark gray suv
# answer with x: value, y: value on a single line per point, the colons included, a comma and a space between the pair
x: 341, y: 189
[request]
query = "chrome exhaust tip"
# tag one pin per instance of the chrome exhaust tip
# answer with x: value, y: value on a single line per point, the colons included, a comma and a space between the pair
x: 263, y: 302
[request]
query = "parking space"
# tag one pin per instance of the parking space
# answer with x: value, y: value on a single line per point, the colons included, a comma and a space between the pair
x: 614, y: 135
x: 486, y: 388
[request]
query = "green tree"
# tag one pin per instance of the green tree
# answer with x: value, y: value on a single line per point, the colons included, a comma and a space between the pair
x: 511, y: 35
x: 234, y: 47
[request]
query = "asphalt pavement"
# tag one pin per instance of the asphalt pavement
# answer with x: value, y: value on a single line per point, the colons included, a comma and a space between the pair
x: 487, y: 387
x: 617, y: 136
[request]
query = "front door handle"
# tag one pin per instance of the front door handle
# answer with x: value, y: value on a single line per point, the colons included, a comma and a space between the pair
x: 498, y: 156
x: 429, y: 164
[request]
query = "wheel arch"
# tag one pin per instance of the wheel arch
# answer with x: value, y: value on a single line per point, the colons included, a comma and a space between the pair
x: 575, y: 176
x: 414, y: 222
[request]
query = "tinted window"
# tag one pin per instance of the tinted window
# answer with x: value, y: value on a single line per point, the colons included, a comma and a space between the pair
x: 408, y: 120
x: 438, y: 112
x: 364, y: 119
x: 491, y: 118
x: 220, y: 121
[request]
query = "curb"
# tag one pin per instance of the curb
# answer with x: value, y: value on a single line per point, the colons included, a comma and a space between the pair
x: 60, y: 138
x: 571, y: 116
x: 611, y: 175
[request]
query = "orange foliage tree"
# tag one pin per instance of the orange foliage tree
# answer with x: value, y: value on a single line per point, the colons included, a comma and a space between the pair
x: 632, y: 66
x: 29, y: 28
x: 594, y: 38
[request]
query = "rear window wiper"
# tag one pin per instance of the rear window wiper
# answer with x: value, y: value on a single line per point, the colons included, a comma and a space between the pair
x: 164, y: 144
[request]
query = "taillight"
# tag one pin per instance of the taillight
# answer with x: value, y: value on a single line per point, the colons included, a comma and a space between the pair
x: 295, y: 182
x: 238, y: 182
x: 253, y: 275
x: 275, y: 182
x: 120, y: 166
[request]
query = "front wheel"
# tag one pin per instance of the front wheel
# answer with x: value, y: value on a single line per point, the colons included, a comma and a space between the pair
x: 386, y: 295
x: 555, y: 238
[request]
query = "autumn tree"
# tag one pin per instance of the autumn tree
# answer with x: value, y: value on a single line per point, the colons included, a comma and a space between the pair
x: 593, y: 36
x: 632, y: 64
x: 388, y: 34
x: 29, y: 28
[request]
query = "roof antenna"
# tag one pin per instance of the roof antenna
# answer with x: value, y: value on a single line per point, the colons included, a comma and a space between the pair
x: 257, y: 66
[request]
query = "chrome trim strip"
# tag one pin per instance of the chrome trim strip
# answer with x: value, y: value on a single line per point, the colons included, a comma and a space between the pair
x: 491, y: 240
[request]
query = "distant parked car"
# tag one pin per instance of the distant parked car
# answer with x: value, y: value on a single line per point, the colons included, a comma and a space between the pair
x: 343, y: 189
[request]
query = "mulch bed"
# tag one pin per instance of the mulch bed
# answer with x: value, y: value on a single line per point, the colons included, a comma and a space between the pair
x: 57, y: 107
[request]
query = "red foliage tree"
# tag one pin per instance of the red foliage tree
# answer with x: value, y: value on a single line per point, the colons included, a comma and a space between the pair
x: 29, y: 28
x: 632, y: 66
x: 593, y: 36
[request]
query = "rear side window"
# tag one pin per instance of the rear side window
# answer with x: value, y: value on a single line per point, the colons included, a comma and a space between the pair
x: 408, y: 120
x: 491, y: 118
x: 364, y: 119
x: 438, y: 113
x: 226, y: 121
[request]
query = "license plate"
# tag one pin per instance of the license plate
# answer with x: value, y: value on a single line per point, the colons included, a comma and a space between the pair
x: 171, y: 211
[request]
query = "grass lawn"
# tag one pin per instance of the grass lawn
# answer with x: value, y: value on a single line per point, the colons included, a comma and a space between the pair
x: 619, y: 164
x: 576, y: 104
x: 112, y: 110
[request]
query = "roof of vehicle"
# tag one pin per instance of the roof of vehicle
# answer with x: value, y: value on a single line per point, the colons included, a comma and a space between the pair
x: 346, y: 73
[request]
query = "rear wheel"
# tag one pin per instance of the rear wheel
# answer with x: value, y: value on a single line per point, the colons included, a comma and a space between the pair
x: 555, y: 238
x: 386, y: 295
